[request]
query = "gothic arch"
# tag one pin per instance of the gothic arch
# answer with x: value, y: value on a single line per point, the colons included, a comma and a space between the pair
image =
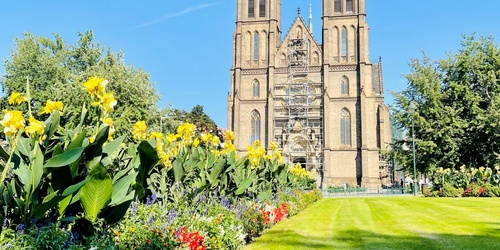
x: 247, y: 44
x: 256, y: 38
x: 254, y: 126
x: 336, y: 41
x: 315, y: 58
x: 263, y: 44
x: 345, y: 127
x: 255, y: 88
x: 344, y: 40
x: 344, y: 85
x: 299, y: 31
x: 352, y: 42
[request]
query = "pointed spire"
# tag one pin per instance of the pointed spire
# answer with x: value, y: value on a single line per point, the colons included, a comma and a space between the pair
x: 298, y: 11
x: 310, y: 18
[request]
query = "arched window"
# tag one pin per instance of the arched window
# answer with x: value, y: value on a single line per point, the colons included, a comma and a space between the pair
x: 348, y: 6
x: 256, y: 46
x: 256, y: 88
x: 344, y: 86
x: 262, y: 8
x: 344, y: 41
x: 337, y: 8
x: 251, y: 8
x: 255, y: 124
x: 345, y: 127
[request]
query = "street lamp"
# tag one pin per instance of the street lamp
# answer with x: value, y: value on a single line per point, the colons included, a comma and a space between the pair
x: 412, y: 108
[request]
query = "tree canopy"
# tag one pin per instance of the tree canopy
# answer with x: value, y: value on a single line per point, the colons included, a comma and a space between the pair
x: 57, y: 70
x: 457, y: 121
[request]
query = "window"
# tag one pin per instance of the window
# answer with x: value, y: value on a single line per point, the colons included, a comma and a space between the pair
x: 251, y: 8
x: 256, y: 46
x: 337, y: 8
x: 348, y: 6
x: 256, y: 88
x: 344, y: 86
x: 345, y: 127
x: 262, y: 8
x: 344, y: 41
x: 255, y: 126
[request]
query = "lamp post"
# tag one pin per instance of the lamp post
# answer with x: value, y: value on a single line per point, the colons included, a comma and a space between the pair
x: 412, y: 108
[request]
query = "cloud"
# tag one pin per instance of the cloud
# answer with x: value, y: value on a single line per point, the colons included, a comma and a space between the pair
x: 180, y: 13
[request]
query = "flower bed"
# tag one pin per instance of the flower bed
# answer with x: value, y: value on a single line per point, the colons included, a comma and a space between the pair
x: 83, y: 187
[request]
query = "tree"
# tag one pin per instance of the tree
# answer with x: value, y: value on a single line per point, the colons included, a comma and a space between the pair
x: 57, y: 71
x: 457, y: 121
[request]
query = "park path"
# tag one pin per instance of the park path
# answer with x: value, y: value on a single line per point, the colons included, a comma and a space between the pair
x: 389, y: 223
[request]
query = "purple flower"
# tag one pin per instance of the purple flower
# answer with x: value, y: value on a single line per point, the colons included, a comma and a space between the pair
x: 151, y: 220
x: 148, y: 201
x: 153, y: 197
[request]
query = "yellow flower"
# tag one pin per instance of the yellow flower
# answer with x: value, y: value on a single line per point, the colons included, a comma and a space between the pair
x: 139, y: 130
x: 196, y: 142
x: 186, y: 131
x: 95, y: 85
x: 215, y: 141
x: 108, y: 102
x: 171, y: 138
x: 205, y: 138
x: 230, y: 135
x: 229, y: 146
x: 273, y: 146
x: 156, y: 135
x: 50, y: 106
x: 92, y: 139
x: 256, y: 143
x: 108, y: 121
x: 17, y: 98
x: 132, y: 229
x: 35, y: 127
x: 13, y: 121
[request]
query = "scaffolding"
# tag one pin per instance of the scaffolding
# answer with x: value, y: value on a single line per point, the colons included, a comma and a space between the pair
x: 298, y: 111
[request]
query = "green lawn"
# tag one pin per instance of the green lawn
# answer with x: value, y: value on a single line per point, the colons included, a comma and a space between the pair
x: 389, y: 223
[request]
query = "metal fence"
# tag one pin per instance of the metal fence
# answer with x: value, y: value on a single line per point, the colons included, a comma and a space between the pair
x: 360, y: 192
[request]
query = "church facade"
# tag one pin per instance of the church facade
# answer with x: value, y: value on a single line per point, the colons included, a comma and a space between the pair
x: 322, y: 101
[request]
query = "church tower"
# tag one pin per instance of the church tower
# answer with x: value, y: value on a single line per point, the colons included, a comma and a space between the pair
x: 255, y: 39
x: 322, y: 103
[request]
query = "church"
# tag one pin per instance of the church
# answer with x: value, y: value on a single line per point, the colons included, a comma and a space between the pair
x: 320, y: 100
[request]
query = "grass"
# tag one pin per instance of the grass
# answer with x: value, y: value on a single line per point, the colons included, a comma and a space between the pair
x: 389, y: 223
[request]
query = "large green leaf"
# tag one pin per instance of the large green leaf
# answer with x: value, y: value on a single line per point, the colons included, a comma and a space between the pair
x: 120, y: 189
x: 244, y: 185
x: 54, y: 123
x: 148, y: 158
x: 178, y: 170
x: 37, y: 166
x: 113, y: 214
x: 213, y: 177
x: 65, y: 158
x: 95, y: 195
x: 112, y: 146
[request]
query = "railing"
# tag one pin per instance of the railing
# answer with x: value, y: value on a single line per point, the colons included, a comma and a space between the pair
x: 362, y: 191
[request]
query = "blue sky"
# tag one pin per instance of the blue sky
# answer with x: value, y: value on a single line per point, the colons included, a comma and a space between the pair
x: 186, y: 45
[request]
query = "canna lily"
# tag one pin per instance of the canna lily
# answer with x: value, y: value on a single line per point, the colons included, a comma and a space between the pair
x: 108, y: 102
x: 95, y: 85
x: 13, y: 121
x: 50, y: 106
x: 35, y: 127
x: 17, y: 98
x: 139, y: 130
x: 230, y: 135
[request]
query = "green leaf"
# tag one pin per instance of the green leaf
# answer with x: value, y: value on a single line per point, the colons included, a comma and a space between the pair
x: 24, y: 146
x: 112, y: 146
x: 64, y: 204
x: 77, y: 142
x: 95, y: 195
x: 4, y: 155
x: 73, y: 188
x: 216, y: 170
x: 37, y: 167
x: 244, y: 185
x: 65, y: 158
x: 54, y: 123
x: 48, y: 202
x: 178, y: 170
x: 113, y: 214
x: 120, y: 189
x: 148, y: 158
